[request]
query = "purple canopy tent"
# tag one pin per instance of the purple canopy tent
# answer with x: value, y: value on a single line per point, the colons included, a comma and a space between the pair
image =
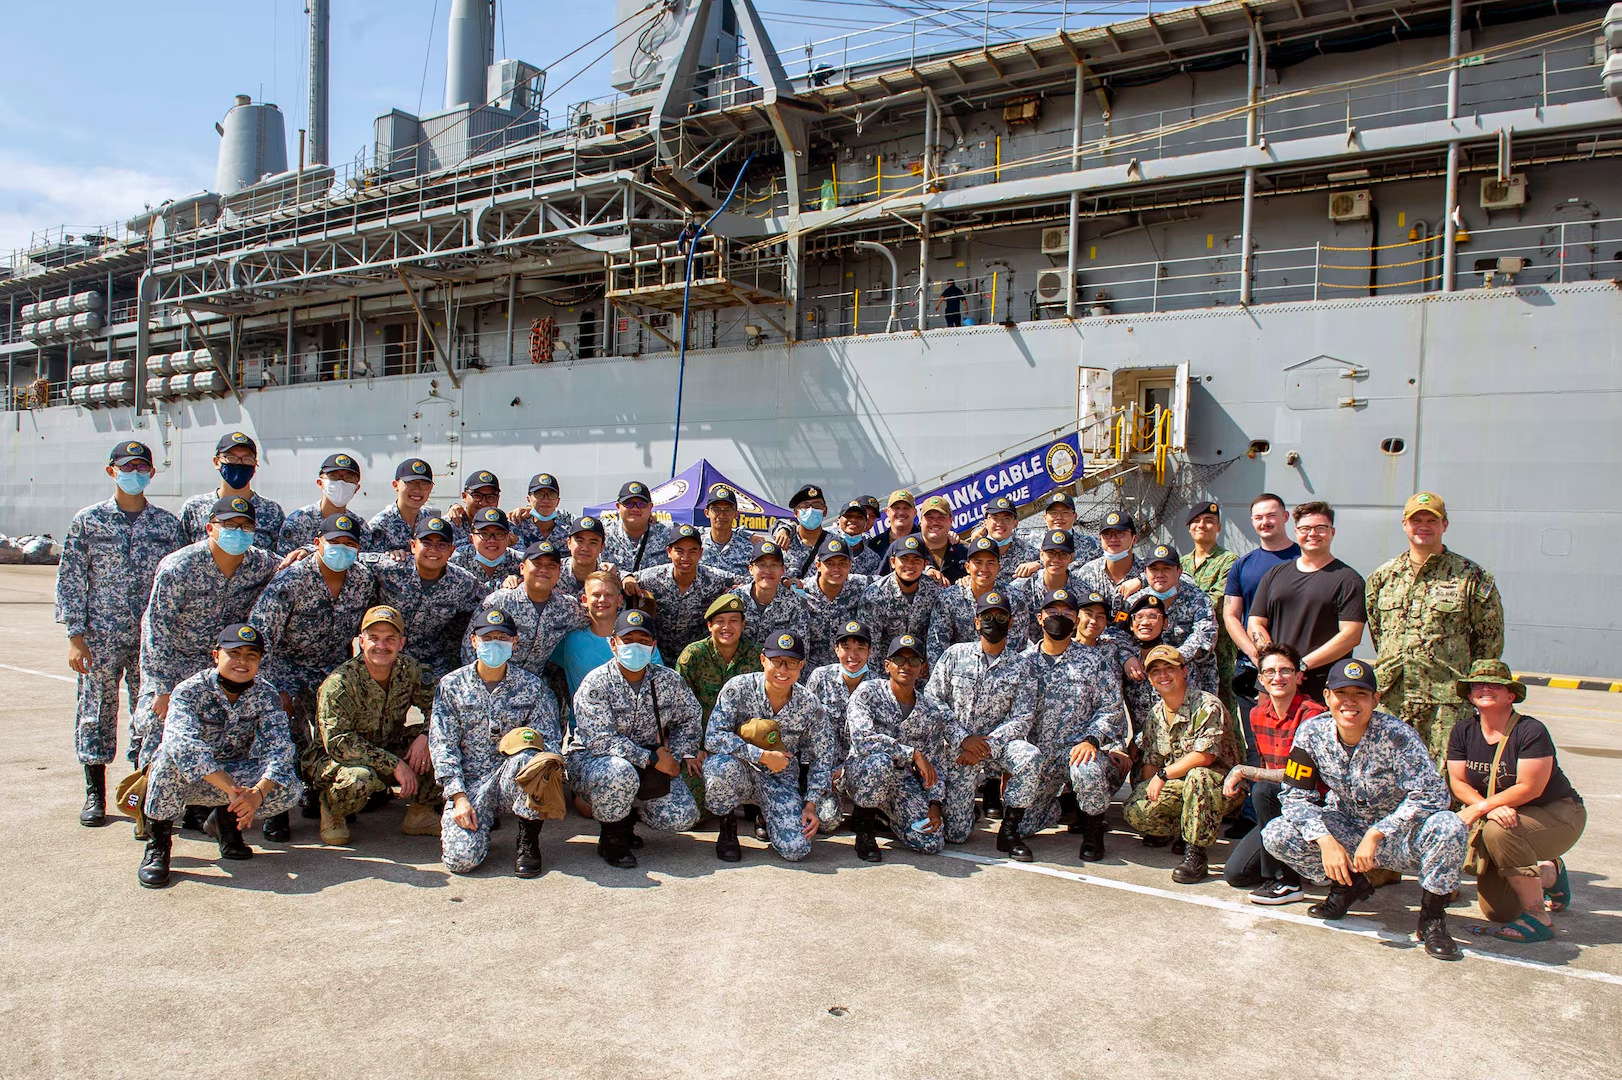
x: 680, y: 500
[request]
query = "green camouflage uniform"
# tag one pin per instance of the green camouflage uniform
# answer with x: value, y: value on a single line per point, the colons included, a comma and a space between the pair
x: 701, y: 665
x: 363, y: 733
x: 1428, y: 626
x: 1192, y: 805
x: 1212, y: 578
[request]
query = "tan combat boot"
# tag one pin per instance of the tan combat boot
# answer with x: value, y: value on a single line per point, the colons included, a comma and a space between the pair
x: 334, y: 830
x: 420, y: 820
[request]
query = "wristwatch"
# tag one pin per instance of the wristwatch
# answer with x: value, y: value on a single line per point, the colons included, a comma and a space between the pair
x: 1161, y: 772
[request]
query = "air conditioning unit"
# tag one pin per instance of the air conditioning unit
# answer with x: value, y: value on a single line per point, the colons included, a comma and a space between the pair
x: 1056, y: 241
x: 1050, y: 288
x: 1349, y: 206
x: 1505, y: 194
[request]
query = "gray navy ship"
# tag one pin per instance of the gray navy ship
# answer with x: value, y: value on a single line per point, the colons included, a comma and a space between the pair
x: 1337, y: 249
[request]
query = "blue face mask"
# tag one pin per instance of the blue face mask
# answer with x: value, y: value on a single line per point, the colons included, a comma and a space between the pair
x: 810, y: 517
x: 538, y: 516
x: 1167, y: 595
x: 337, y: 558
x: 1005, y: 541
x: 237, y: 476
x: 633, y: 655
x: 487, y: 561
x: 132, y: 483
x: 858, y: 673
x: 234, y: 541
x: 492, y: 653
x: 1117, y: 556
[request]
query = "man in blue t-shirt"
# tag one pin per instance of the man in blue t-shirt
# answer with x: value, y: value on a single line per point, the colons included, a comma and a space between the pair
x: 1270, y: 518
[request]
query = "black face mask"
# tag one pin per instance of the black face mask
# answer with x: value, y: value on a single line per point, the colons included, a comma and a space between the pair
x: 1058, y: 627
x: 231, y: 686
x: 994, y: 631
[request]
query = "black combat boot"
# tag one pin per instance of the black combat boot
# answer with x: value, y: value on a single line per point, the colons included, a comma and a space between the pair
x: 726, y: 840
x: 1069, y: 808
x: 867, y: 845
x: 154, y: 872
x: 1341, y: 898
x: 377, y: 801
x: 195, y: 818
x: 1092, y: 837
x: 1008, y: 839
x: 1193, y: 868
x: 1433, y: 928
x: 1156, y: 841
x: 612, y: 845
x: 991, y: 797
x: 279, y: 829
x: 632, y: 840
x: 94, y: 813
x: 527, y: 863
x: 1178, y: 845
x: 222, y: 826
x: 309, y: 804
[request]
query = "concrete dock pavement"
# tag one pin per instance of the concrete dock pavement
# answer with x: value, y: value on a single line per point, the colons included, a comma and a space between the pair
x: 372, y: 960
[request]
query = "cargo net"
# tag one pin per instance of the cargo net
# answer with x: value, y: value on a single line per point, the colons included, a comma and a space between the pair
x: 1150, y: 504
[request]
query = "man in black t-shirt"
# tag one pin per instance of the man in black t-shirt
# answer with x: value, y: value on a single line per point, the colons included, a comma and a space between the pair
x: 1313, y: 603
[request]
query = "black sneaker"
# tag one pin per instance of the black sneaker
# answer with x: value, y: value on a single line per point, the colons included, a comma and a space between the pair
x: 1275, y: 892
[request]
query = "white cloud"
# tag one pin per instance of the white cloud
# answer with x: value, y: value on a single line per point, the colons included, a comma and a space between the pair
x: 35, y: 196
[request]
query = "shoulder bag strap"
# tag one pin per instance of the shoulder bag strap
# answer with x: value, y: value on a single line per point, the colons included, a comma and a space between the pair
x: 642, y: 547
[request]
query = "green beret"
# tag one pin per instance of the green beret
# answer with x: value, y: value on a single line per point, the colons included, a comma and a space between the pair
x: 724, y: 604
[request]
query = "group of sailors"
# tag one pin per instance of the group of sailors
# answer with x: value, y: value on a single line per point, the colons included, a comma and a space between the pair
x: 890, y: 677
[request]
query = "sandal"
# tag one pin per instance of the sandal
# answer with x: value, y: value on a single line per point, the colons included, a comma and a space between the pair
x: 1523, y: 931
x: 1559, y: 895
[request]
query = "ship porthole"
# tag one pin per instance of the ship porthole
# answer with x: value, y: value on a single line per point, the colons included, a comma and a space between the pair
x: 1259, y: 446
x: 1393, y: 446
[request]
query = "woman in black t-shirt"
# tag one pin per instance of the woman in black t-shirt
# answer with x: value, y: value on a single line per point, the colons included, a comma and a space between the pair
x: 1533, y: 815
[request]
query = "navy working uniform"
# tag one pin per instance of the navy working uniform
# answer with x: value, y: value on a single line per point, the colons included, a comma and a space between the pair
x: 879, y: 771
x: 1078, y: 698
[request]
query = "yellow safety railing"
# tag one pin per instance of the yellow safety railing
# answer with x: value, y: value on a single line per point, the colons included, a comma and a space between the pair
x: 1371, y: 266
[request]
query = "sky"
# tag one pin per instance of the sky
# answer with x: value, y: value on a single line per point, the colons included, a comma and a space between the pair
x: 109, y: 106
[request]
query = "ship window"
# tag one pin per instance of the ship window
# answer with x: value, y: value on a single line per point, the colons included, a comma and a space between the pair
x: 1393, y: 446
x: 1259, y: 446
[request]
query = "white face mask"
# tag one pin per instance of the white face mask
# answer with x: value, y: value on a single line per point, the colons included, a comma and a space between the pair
x: 339, y: 492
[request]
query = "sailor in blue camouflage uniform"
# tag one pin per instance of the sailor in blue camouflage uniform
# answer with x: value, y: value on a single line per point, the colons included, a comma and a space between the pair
x: 541, y: 518
x: 898, y: 754
x: 339, y: 480
x: 802, y: 541
x: 727, y: 548
x: 635, y: 540
x: 1190, y: 623
x: 395, y: 526
x: 487, y: 553
x: 1387, y: 807
x: 435, y: 599
x: 225, y: 744
x: 835, y: 683
x: 309, y: 615
x: 197, y: 592
x: 110, y: 555
x: 1059, y: 513
x: 1145, y: 628
x: 954, y: 614
x: 989, y: 687
x: 832, y: 598
x: 584, y: 558
x: 904, y: 601
x: 1028, y: 594
x: 770, y: 609
x: 683, y: 588
x: 474, y: 706
x: 481, y: 488
x: 1080, y: 724
x: 1105, y: 574
x: 851, y: 529
x: 542, y: 612
x: 236, y: 456
x: 771, y: 744
x: 1014, y: 548
x: 632, y: 714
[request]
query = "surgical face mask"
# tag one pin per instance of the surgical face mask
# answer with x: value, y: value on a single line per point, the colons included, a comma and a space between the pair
x: 234, y: 541
x: 1167, y: 595
x: 132, y: 483
x: 492, y: 653
x: 1117, y: 556
x: 810, y: 517
x: 339, y: 492
x: 337, y: 558
x: 538, y: 516
x: 633, y: 655
x: 1058, y: 627
x: 858, y: 673
x: 487, y: 561
x: 994, y: 630
x: 236, y: 476
x: 1005, y: 541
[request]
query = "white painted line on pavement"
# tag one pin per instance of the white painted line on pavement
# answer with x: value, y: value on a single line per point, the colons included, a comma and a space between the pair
x: 1357, y: 927
x: 41, y: 674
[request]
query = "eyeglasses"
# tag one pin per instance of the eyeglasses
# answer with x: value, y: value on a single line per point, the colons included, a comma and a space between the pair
x: 910, y: 663
x: 135, y: 466
x: 1314, y: 530
x: 1277, y: 673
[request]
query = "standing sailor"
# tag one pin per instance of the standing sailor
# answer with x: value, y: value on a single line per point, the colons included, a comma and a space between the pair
x: 727, y: 548
x: 1208, y: 565
x: 236, y: 456
x: 434, y: 599
x: 634, y: 540
x: 393, y: 527
x: 541, y: 518
x: 339, y: 480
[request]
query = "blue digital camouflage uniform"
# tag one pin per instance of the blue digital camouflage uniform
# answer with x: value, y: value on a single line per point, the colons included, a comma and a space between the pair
x: 1191, y: 630
x: 300, y: 528
x: 879, y: 771
x: 734, y: 776
x: 540, y: 626
x: 388, y: 531
x: 569, y: 583
x: 1093, y: 576
x: 102, y: 584
x: 828, y: 684
x: 207, y: 733
x: 1386, y: 782
x: 1191, y: 805
x: 620, y: 549
x: 435, y: 612
x: 528, y: 531
x: 825, y: 616
x: 797, y: 554
x: 468, y: 721
x: 1087, y: 547
x: 1020, y: 549
x: 680, y: 621
x: 866, y: 561
x: 192, y: 601
x: 786, y: 613
x: 267, y: 518
x: 733, y: 556
x: 889, y: 612
x: 488, y: 577
x: 1078, y: 696
x: 954, y: 621
x: 615, y: 733
x: 993, y: 697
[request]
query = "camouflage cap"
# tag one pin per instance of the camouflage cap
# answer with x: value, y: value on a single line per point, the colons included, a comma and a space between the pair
x: 1424, y: 500
x: 1163, y: 654
x: 1492, y: 673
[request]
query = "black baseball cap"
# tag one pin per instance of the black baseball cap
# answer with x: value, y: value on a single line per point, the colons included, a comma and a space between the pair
x: 1351, y: 672
x: 993, y: 600
x: 983, y: 544
x: 481, y: 478
x: 342, y: 523
x: 870, y: 502
x: 854, y: 628
x: 832, y: 547
x: 785, y: 644
x: 238, y: 634
x: 720, y: 493
x: 235, y: 439
x: 490, y: 515
x: 1058, y: 498
x: 1093, y: 599
x: 1064, y: 596
x: 633, y: 489
x: 1118, y: 519
x: 855, y: 506
x: 906, y: 643
x: 1163, y: 553
x: 434, y: 526
x: 1200, y: 509
x: 492, y: 619
x: 543, y: 481
x: 587, y: 525
x: 907, y: 545
x: 1001, y: 505
x: 543, y: 549
x: 1058, y: 540
x: 805, y: 494
x: 233, y: 506
x: 632, y: 619
x: 339, y: 462
x: 766, y: 549
x: 130, y: 451
x: 414, y: 469
x: 684, y: 532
